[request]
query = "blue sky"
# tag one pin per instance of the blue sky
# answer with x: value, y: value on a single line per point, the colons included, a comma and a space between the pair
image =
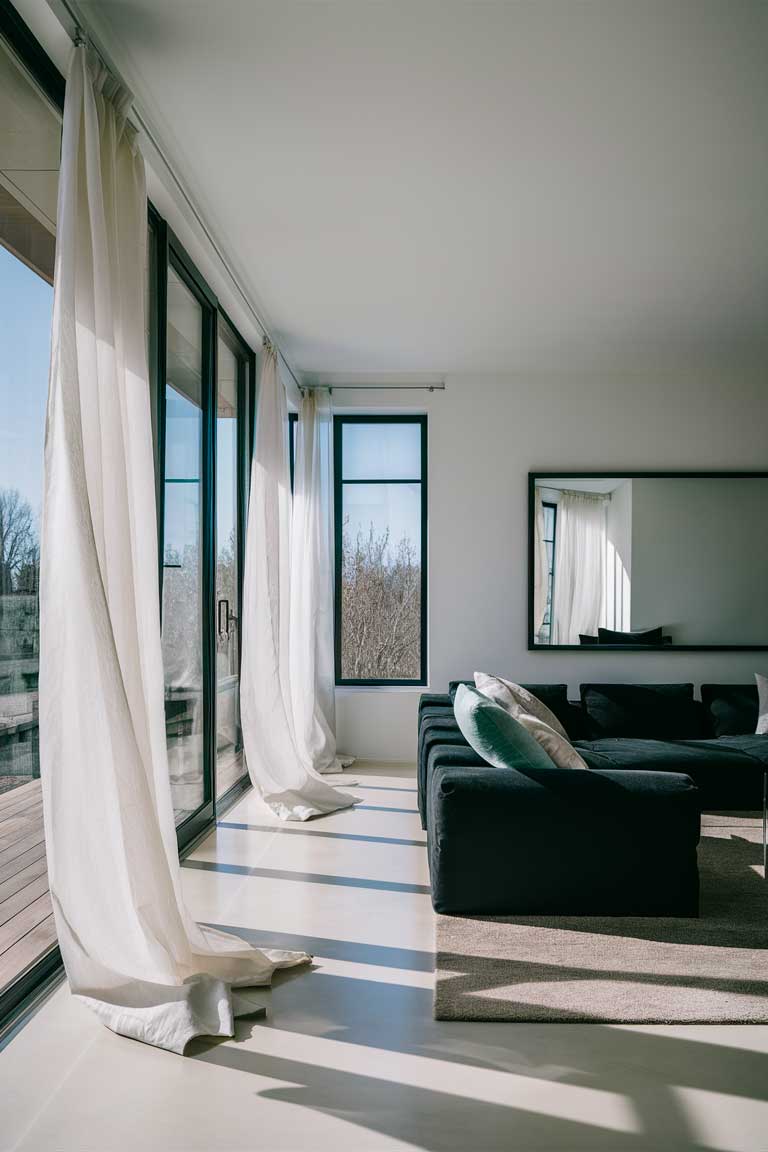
x: 382, y: 451
x: 26, y: 302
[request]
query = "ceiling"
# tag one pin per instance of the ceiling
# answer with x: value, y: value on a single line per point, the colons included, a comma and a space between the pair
x: 462, y: 187
x: 30, y: 140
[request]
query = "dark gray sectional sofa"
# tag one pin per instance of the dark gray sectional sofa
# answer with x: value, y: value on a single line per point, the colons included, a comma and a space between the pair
x: 619, y: 840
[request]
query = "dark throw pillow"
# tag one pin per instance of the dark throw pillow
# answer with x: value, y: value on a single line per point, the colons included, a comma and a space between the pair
x: 648, y: 636
x: 732, y: 708
x: 643, y: 711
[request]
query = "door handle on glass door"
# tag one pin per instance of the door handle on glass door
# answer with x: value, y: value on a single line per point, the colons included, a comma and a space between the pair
x: 225, y: 630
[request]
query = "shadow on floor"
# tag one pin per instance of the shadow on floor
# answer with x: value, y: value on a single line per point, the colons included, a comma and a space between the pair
x: 645, y: 1068
x: 641, y: 1071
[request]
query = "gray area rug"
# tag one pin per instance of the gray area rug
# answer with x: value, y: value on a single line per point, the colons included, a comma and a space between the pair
x: 623, y: 969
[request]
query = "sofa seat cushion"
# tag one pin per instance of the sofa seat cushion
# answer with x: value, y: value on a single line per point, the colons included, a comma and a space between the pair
x: 728, y: 772
x: 750, y: 745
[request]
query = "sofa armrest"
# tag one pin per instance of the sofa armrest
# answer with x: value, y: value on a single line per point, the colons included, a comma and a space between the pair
x: 435, y: 733
x: 434, y: 700
x: 562, y: 842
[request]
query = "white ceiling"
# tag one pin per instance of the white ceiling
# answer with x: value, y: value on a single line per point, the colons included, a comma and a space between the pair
x: 30, y: 141
x: 441, y: 186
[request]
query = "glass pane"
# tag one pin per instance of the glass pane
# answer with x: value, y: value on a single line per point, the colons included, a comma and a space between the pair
x: 182, y: 572
x: 380, y: 451
x: 29, y: 163
x: 381, y: 582
x: 229, y: 756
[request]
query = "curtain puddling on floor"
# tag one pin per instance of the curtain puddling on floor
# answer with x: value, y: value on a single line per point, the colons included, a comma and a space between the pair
x: 287, y: 673
x: 130, y: 948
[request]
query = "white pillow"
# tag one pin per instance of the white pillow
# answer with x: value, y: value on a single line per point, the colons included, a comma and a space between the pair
x: 510, y: 696
x: 557, y: 747
x: 762, y: 708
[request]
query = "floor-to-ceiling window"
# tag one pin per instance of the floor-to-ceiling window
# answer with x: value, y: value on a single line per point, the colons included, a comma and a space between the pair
x: 233, y: 380
x: 182, y: 602
x: 203, y: 376
x: 30, y: 132
x: 203, y: 432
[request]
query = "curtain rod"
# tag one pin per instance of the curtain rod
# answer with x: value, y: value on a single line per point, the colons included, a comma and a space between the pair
x: 80, y: 34
x: 375, y: 387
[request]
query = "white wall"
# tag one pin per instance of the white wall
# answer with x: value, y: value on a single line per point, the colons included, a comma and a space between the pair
x: 485, y: 434
x: 701, y: 559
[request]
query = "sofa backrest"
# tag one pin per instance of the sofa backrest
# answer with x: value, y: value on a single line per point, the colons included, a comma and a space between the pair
x: 649, y: 711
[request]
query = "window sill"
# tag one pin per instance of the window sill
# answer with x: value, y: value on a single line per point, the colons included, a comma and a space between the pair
x: 343, y: 689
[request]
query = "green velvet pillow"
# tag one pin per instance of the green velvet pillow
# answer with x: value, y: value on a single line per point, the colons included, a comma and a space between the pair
x: 494, y: 735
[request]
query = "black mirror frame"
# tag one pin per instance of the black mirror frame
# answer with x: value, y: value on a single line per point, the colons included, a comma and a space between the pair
x: 591, y: 649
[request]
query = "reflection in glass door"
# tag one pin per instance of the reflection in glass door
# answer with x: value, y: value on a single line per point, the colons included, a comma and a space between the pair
x: 203, y: 374
x: 229, y: 745
x: 182, y: 549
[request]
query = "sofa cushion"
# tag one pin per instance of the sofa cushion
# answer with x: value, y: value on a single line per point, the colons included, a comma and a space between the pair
x: 494, y: 735
x: 731, y: 708
x: 513, y: 698
x: 431, y: 700
x: 572, y: 716
x: 534, y: 716
x: 643, y: 711
x: 435, y: 730
x: 650, y: 636
x: 728, y: 772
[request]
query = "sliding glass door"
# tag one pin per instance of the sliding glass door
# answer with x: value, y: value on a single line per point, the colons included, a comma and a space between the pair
x: 203, y: 406
x: 182, y: 604
x: 231, y: 439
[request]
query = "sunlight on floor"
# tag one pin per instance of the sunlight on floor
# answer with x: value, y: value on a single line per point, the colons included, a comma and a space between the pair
x: 350, y: 1057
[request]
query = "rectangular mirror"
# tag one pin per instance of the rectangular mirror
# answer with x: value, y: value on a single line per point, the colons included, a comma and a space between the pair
x: 647, y: 560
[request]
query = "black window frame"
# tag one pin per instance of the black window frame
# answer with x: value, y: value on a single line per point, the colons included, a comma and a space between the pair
x: 551, y: 568
x: 419, y: 419
x: 167, y: 251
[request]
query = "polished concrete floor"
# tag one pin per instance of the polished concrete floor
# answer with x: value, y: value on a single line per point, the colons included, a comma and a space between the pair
x: 349, y: 1058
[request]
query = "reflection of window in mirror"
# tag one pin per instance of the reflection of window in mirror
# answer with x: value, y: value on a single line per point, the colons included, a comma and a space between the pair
x: 655, y: 560
x: 550, y: 529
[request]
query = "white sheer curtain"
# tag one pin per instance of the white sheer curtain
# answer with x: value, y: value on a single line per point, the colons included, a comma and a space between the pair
x: 540, y: 565
x: 579, y: 561
x: 284, y: 689
x: 313, y: 684
x: 130, y: 948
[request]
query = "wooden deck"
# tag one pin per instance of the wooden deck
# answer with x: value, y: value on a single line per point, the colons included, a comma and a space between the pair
x: 26, y: 918
x: 27, y: 929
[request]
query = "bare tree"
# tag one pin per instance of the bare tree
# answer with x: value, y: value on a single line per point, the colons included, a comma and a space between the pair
x: 19, y: 548
x: 381, y: 607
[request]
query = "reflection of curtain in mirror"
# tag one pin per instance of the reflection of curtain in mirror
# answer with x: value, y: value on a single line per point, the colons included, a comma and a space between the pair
x: 579, y: 562
x: 540, y: 565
